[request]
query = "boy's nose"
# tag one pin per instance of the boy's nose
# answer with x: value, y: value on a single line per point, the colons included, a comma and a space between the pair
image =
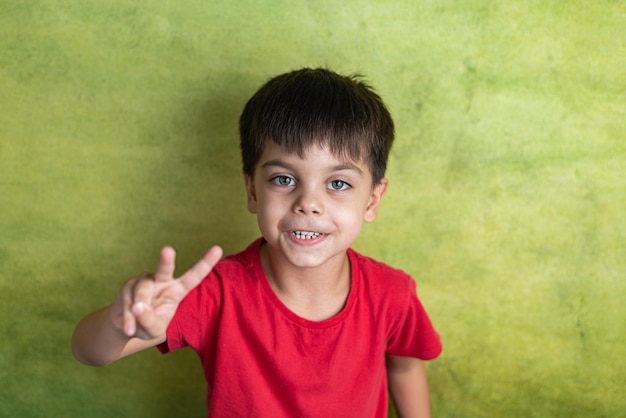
x: 308, y: 203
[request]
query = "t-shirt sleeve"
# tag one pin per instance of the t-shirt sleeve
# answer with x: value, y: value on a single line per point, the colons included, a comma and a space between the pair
x: 174, y: 340
x: 413, y: 334
x: 194, y: 319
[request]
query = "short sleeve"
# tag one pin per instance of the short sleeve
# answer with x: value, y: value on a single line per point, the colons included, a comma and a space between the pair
x: 194, y: 321
x: 413, y: 334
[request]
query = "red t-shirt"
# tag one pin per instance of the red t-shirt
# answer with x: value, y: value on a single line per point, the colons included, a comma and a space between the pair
x: 262, y: 360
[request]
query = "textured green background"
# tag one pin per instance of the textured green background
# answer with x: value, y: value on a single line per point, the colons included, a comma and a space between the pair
x: 118, y: 135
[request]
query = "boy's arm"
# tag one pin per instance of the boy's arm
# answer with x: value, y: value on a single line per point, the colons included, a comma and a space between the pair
x: 408, y: 386
x: 143, y: 309
x: 97, y: 341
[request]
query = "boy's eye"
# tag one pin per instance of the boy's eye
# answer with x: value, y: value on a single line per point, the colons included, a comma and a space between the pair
x: 283, y: 181
x: 338, y: 185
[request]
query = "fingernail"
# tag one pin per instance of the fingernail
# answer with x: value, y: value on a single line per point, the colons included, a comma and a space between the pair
x: 138, y: 308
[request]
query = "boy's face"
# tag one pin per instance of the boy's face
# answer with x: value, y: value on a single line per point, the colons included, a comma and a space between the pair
x: 310, y: 210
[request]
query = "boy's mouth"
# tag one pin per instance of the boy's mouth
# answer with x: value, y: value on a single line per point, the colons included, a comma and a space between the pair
x: 305, y: 234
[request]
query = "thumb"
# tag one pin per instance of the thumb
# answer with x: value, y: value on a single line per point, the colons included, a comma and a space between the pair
x: 149, y: 323
x: 201, y: 269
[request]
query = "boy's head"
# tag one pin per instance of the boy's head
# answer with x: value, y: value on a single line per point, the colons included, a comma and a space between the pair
x: 317, y: 107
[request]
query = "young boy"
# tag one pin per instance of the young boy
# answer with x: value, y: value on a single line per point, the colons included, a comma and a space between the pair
x: 298, y: 324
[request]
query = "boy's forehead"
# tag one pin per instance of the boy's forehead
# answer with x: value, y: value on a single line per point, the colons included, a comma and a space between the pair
x: 272, y: 150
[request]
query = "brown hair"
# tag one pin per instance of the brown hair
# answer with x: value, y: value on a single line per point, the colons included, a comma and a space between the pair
x: 317, y: 106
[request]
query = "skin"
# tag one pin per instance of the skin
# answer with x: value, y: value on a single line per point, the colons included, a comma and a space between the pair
x: 139, y: 316
x: 310, y: 210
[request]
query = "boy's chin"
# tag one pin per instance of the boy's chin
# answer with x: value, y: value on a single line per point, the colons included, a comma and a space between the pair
x: 306, y: 257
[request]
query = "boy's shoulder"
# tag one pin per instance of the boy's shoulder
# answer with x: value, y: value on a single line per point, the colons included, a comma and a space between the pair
x: 371, y: 264
x: 377, y: 273
x: 247, y: 259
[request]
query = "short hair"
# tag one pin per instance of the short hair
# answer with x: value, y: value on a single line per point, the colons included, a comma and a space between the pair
x: 309, y: 107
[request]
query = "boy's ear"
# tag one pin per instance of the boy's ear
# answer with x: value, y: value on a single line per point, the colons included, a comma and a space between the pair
x: 251, y: 192
x: 376, y: 197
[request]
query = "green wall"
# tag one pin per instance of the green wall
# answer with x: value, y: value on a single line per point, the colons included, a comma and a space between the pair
x: 118, y: 135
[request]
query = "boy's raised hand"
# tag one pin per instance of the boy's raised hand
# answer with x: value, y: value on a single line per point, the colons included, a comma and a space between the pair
x: 146, y: 304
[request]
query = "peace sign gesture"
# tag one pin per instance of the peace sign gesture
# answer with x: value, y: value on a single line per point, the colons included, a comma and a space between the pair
x: 146, y: 304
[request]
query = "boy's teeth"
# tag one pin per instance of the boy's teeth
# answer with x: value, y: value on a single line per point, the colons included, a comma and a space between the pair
x: 306, y: 235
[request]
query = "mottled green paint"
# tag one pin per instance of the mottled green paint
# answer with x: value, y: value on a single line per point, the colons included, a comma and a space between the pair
x: 507, y: 203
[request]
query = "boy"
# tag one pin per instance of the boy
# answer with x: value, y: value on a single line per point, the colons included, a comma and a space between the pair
x: 298, y: 324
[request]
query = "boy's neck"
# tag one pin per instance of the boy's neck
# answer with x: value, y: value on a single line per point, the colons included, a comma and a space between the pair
x: 313, y: 293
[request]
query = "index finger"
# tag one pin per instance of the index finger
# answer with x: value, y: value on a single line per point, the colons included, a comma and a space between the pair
x: 201, y: 269
x: 167, y: 264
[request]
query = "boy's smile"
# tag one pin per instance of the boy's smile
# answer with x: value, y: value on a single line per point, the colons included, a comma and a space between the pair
x: 310, y: 208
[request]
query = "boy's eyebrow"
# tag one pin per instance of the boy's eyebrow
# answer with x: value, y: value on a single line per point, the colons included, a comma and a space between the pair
x: 338, y: 167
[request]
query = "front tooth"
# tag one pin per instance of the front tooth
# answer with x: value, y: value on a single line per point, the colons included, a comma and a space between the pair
x: 306, y: 235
